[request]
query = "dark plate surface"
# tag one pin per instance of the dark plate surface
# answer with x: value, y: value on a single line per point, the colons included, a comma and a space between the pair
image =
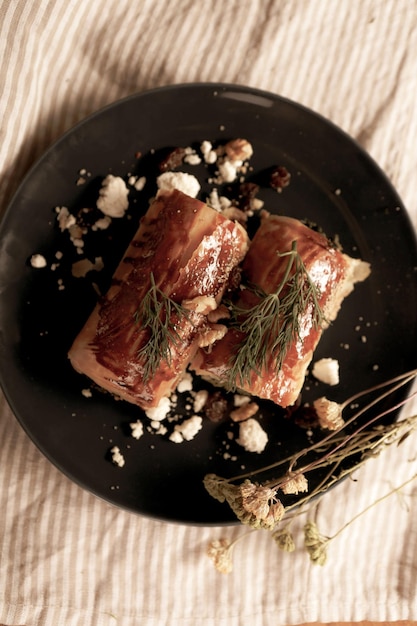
x: 334, y: 183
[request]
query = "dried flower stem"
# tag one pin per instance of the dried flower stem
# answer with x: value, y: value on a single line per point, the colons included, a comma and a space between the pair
x: 375, y: 503
x: 333, y: 450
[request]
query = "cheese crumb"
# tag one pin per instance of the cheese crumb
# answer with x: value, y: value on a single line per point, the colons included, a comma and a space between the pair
x: 187, y: 183
x: 327, y: 371
x: 159, y: 412
x: 200, y: 400
x: 186, y: 383
x: 187, y: 430
x: 112, y: 200
x: 137, y: 429
x: 38, y: 261
x: 117, y: 457
x: 252, y: 436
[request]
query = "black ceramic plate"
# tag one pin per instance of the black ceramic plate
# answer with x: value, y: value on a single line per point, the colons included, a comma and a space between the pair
x: 334, y: 183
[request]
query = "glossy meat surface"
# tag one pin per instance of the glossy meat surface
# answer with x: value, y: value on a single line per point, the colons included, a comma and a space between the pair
x: 191, y: 250
x: 334, y: 275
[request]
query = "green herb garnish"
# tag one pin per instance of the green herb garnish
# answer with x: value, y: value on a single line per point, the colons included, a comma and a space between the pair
x: 159, y: 314
x: 273, y: 323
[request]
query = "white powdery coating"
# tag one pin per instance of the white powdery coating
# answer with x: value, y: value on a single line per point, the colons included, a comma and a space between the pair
x: 187, y: 183
x: 112, y: 200
x: 326, y: 371
x: 252, y: 436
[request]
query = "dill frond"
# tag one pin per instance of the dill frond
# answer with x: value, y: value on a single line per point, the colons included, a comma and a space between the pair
x: 273, y: 323
x: 159, y: 314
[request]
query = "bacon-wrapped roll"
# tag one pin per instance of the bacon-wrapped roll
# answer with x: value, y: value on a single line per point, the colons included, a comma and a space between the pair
x: 178, y: 263
x: 332, y: 275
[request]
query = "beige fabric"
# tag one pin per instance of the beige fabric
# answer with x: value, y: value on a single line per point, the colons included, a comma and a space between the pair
x: 67, y: 558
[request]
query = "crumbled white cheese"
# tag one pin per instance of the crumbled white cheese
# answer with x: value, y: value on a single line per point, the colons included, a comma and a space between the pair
x: 227, y: 172
x: 65, y: 218
x: 209, y: 155
x: 138, y: 182
x: 252, y: 436
x: 326, y: 371
x: 191, y: 157
x: 86, y: 393
x: 112, y: 198
x: 186, y: 383
x: 137, y: 429
x: 187, y: 183
x: 117, y: 457
x: 159, y: 412
x: 38, y: 261
x: 187, y: 430
x: 219, y: 203
x: 200, y: 400
x: 158, y: 428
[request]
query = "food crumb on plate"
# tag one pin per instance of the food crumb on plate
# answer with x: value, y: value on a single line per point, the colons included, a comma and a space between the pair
x: 113, y: 196
x: 252, y: 436
x: 137, y: 429
x: 326, y: 370
x: 38, y: 261
x: 117, y: 457
x: 187, y: 430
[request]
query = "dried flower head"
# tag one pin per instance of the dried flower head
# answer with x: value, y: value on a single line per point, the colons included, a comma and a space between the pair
x: 256, y: 499
x: 295, y: 483
x: 284, y: 540
x: 220, y: 551
x: 329, y: 413
x: 315, y: 543
x: 261, y: 503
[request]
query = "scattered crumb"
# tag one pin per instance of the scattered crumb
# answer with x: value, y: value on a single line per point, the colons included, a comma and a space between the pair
x: 326, y: 371
x: 38, y: 261
x: 186, y: 383
x: 117, y: 457
x: 187, y: 183
x: 240, y: 400
x: 187, y: 430
x: 200, y: 399
x: 112, y: 200
x: 252, y: 436
x: 86, y: 393
x: 137, y: 429
x: 159, y: 412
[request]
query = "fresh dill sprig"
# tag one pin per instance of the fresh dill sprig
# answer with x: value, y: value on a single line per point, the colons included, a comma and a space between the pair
x: 273, y: 323
x: 159, y: 314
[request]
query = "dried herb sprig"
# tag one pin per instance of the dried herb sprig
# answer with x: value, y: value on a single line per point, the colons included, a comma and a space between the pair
x: 160, y: 315
x: 273, y: 323
x: 258, y: 504
x: 315, y: 543
x: 331, y: 452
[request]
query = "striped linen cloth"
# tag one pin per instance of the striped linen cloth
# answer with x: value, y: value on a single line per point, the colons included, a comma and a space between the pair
x: 68, y: 558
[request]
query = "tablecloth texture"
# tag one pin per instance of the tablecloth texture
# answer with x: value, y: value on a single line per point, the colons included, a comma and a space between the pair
x: 67, y: 557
